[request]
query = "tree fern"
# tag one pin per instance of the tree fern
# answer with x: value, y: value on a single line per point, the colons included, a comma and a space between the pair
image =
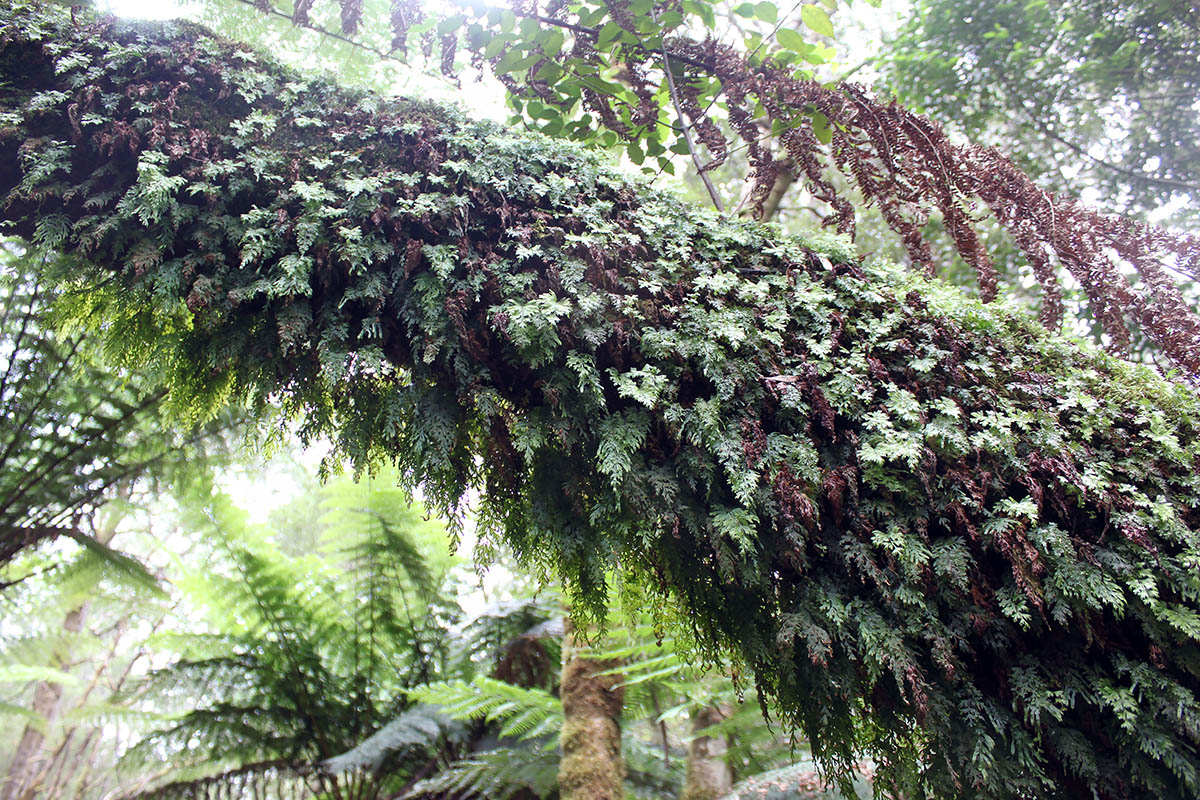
x: 422, y: 726
x: 496, y: 774
x: 310, y: 653
x: 519, y: 713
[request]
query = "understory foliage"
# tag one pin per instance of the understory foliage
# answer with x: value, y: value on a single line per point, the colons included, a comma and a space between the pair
x: 74, y: 430
x: 1052, y: 80
x: 935, y: 533
x: 304, y: 656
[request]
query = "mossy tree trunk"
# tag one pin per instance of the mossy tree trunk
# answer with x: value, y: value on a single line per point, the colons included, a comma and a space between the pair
x: 592, y: 767
x: 708, y: 774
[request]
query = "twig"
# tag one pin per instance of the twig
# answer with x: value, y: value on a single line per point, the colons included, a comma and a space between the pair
x: 687, y: 138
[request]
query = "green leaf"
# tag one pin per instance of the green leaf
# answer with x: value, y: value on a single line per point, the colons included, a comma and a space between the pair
x: 821, y: 128
x: 450, y: 24
x: 549, y: 72
x: 496, y: 46
x: 767, y: 12
x: 608, y: 34
x: 635, y: 153
x: 817, y: 19
x: 508, y: 62
x: 552, y: 45
x: 745, y: 10
x: 791, y: 40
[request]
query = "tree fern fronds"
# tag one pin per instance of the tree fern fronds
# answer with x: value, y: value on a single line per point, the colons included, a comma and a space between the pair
x: 493, y: 775
x: 521, y: 713
x: 25, y: 715
x: 421, y: 726
x: 27, y: 673
x: 279, y: 769
x: 118, y: 565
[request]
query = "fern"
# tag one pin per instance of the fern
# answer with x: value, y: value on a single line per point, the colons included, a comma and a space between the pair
x: 494, y: 775
x: 420, y: 727
x: 522, y: 714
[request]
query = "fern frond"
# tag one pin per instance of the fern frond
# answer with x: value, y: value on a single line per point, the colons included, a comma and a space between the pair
x: 522, y: 714
x: 493, y: 775
x: 421, y: 726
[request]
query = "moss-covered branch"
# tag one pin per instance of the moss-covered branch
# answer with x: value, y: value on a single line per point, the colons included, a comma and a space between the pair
x: 935, y: 533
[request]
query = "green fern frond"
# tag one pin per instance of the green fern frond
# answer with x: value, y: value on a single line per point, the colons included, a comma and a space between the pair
x: 522, y: 714
x: 419, y: 727
x: 493, y: 775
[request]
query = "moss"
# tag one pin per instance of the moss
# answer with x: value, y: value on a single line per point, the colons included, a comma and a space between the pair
x: 592, y: 767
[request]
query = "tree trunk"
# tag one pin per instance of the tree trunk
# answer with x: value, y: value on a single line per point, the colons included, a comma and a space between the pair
x: 591, y: 767
x: 26, y: 766
x: 29, y: 767
x: 708, y: 775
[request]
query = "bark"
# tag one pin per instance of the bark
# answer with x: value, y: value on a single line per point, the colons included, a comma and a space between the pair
x: 592, y: 767
x: 708, y: 775
x: 27, y: 765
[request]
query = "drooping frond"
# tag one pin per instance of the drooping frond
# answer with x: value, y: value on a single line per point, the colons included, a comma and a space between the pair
x: 493, y: 775
x: 524, y: 714
x: 421, y: 726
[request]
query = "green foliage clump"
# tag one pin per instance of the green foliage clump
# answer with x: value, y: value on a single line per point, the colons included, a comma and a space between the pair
x: 936, y: 533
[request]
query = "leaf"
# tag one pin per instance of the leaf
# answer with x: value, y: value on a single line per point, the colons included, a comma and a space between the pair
x: 508, y: 62
x: 608, y: 34
x: 745, y: 10
x: 817, y: 19
x: 821, y: 128
x: 767, y: 12
x: 636, y: 154
x: 450, y: 24
x: 791, y: 40
x: 552, y: 45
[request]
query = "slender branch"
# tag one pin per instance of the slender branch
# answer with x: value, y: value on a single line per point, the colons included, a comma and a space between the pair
x: 685, y: 132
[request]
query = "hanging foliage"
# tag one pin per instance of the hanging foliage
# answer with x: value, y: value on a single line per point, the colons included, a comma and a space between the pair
x: 937, y: 534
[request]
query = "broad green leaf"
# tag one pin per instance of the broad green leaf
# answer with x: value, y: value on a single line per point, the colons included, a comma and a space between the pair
x: 822, y: 128
x: 817, y: 19
x: 635, y: 153
x: 608, y: 34
x: 552, y: 44
x: 791, y: 40
x: 496, y: 46
x: 767, y: 12
x: 450, y: 24
x: 509, y: 61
